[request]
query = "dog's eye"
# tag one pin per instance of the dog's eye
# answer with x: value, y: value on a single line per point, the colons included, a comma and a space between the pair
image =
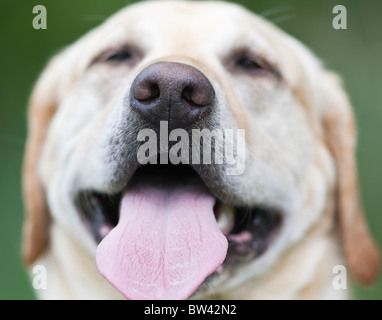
x: 122, y: 56
x: 247, y: 64
x: 252, y: 64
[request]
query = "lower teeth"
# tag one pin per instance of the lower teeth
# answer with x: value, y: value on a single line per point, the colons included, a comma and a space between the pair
x: 225, y: 219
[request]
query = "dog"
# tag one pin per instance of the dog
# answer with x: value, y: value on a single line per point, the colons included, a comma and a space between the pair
x: 107, y: 226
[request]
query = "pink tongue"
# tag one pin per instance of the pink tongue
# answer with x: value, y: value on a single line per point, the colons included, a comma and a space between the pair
x: 165, y: 244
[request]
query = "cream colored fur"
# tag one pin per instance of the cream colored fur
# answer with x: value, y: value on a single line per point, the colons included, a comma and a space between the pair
x: 300, y: 139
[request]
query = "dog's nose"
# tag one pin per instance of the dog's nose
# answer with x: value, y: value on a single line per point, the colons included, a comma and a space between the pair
x: 173, y: 92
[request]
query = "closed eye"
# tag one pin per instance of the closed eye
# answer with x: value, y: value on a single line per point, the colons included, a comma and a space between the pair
x: 122, y: 55
x: 244, y: 61
x: 247, y: 64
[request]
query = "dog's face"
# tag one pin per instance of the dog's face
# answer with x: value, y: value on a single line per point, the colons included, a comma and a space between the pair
x: 189, y: 66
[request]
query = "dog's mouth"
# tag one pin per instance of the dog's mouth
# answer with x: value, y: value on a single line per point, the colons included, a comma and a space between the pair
x: 167, y: 222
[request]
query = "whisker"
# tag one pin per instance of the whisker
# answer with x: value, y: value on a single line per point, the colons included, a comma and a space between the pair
x: 276, y: 10
x: 280, y: 14
x: 283, y: 18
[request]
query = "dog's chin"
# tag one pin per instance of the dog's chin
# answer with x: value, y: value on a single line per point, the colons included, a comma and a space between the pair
x: 250, y: 231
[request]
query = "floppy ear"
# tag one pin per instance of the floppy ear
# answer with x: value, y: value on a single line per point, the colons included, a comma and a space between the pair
x: 360, y: 249
x: 42, y: 107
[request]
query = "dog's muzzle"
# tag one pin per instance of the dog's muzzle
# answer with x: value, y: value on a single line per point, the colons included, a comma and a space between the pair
x: 164, y: 228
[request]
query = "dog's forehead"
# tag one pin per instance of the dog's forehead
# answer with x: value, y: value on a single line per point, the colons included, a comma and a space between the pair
x: 164, y: 14
x: 203, y: 32
x: 184, y: 24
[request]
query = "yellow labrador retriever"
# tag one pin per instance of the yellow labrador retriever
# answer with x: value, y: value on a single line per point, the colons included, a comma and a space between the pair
x: 122, y: 199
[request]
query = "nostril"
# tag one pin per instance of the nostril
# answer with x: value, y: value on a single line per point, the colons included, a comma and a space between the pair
x: 146, y: 91
x: 199, y: 96
x: 187, y: 93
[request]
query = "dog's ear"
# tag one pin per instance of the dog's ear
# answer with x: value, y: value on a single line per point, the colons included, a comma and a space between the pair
x: 360, y: 249
x: 42, y: 107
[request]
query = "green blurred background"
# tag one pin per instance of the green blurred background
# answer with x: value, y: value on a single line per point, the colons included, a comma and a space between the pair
x: 355, y: 53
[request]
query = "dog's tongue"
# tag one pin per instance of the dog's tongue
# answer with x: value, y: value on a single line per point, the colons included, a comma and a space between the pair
x: 165, y: 244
